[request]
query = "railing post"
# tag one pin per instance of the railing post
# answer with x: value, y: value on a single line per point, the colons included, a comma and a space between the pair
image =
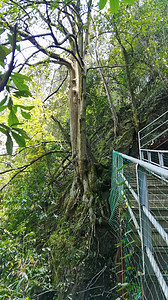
x: 160, y: 157
x: 146, y: 230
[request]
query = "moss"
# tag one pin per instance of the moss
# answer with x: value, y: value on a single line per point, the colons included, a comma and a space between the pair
x: 125, y: 141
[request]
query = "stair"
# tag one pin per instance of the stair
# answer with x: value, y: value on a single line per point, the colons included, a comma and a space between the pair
x: 158, y: 206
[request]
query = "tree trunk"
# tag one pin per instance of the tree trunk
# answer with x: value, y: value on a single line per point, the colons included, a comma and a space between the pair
x: 130, y: 87
x: 83, y: 166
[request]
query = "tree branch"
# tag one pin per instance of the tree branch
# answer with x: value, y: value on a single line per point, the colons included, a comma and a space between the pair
x: 62, y: 129
x: 56, y: 89
x: 11, y: 65
x: 22, y: 168
x: 32, y: 40
x: 108, y: 67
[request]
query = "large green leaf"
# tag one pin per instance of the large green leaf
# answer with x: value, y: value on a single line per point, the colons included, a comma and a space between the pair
x: 26, y: 107
x: 20, y: 77
x: 3, y: 130
x: 25, y: 115
x: 2, y: 102
x: 114, y: 6
x: 102, y: 3
x: 19, y: 84
x: 12, y: 118
x: 3, y: 107
x: 19, y: 139
x: 9, y: 144
x: 22, y: 132
x: 14, y: 108
x: 20, y: 94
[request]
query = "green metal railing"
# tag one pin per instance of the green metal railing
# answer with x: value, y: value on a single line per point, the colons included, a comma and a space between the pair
x: 139, y: 219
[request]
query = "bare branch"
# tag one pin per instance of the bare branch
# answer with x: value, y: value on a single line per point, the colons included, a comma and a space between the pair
x: 49, y: 23
x: 26, y: 61
x: 56, y: 89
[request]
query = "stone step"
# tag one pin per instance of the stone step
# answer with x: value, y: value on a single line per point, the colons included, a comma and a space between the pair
x: 159, y: 196
x: 161, y: 257
x: 157, y: 211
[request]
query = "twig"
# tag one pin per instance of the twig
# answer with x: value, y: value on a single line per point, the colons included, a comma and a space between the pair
x: 96, y: 277
x: 92, y: 288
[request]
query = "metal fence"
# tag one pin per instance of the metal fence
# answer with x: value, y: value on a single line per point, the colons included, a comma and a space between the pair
x: 139, y: 219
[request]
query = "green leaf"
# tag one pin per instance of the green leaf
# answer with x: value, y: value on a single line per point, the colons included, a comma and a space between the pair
x: 26, y: 107
x: 114, y: 6
x: 19, y: 139
x: 102, y: 3
x: 119, y: 244
x: 10, y: 38
x: 3, y: 52
x: 10, y: 103
x: 2, y: 64
x: 19, y: 94
x: 121, y: 183
x: 121, y: 168
x: 12, y: 118
x: 129, y: 1
x: 2, y: 30
x: 9, y: 144
x: 20, y: 77
x: 14, y: 108
x: 3, y: 107
x: 25, y: 115
x: 19, y: 84
x: 22, y: 132
x: 3, y: 101
x: 125, y: 256
x: 18, y: 47
x: 3, y: 130
x: 4, y: 126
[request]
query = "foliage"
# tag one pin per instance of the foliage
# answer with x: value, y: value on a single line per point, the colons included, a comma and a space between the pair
x: 114, y: 4
x: 14, y: 87
x: 30, y: 215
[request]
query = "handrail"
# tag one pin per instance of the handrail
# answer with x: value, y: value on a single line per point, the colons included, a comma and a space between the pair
x: 142, y: 135
x: 153, y: 121
x: 158, y: 170
x: 154, y: 129
x: 152, y: 150
x: 155, y: 137
x: 159, y: 159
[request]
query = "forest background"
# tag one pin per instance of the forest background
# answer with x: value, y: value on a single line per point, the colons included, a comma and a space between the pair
x: 76, y: 83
